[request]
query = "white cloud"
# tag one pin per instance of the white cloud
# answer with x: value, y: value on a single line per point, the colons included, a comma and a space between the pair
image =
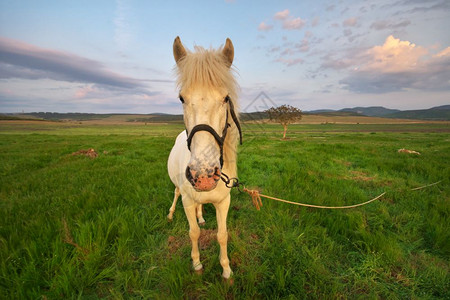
x: 330, y: 7
x: 122, y: 30
x: 384, y: 24
x: 61, y: 96
x: 49, y: 80
x: 441, y: 5
x: 336, y: 63
x: 22, y: 60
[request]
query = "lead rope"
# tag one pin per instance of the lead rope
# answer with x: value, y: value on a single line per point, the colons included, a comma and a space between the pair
x: 257, y: 202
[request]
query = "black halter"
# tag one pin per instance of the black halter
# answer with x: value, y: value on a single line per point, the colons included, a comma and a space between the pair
x: 219, y: 139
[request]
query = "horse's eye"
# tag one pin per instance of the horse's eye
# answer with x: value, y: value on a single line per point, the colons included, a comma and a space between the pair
x: 227, y: 98
x: 181, y: 99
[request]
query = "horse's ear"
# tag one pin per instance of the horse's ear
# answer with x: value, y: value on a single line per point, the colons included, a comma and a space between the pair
x: 228, y: 52
x: 178, y: 50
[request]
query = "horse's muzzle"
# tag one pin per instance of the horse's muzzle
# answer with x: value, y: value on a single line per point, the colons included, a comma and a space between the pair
x: 203, y: 181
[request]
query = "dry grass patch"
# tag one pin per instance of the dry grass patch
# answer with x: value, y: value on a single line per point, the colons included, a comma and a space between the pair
x: 207, y: 236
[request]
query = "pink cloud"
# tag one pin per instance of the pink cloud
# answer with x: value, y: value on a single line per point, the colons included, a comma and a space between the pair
x: 395, y: 65
x: 292, y: 24
x: 289, y: 22
x: 290, y: 62
x: 265, y: 27
x: 350, y: 22
x: 315, y: 22
x: 287, y: 51
x: 394, y: 56
x: 443, y: 53
x: 282, y: 15
x: 303, y: 46
x: 84, y: 92
x: 8, y: 92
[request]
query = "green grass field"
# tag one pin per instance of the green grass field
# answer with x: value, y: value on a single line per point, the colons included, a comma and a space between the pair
x: 76, y: 227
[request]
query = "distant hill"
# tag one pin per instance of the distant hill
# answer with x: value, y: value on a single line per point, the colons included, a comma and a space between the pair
x: 9, y: 117
x: 144, y: 118
x: 319, y: 111
x: 336, y: 113
x: 54, y: 116
x: 442, y: 107
x: 18, y: 117
x: 157, y: 118
x: 255, y: 116
x: 438, y: 113
x: 441, y: 113
x: 372, y: 111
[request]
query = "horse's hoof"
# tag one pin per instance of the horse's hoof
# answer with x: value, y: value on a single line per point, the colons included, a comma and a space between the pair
x: 202, y: 223
x: 169, y: 218
x: 228, y: 281
x: 228, y: 277
x: 198, y: 269
x: 199, y: 272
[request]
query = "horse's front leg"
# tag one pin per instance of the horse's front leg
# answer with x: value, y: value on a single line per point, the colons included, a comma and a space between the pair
x: 194, y: 234
x: 222, y: 235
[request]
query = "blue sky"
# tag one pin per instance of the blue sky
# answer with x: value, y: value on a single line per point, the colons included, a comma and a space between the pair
x: 116, y: 56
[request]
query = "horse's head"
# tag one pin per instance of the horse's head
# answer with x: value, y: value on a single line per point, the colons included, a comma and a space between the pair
x: 202, y: 78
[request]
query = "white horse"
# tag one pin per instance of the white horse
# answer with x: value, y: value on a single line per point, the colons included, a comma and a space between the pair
x: 206, y: 151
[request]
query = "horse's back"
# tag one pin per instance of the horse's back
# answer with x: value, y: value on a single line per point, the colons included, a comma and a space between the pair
x: 178, y: 160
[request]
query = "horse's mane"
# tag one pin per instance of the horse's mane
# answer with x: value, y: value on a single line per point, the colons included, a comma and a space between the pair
x: 205, y: 68
x: 209, y: 69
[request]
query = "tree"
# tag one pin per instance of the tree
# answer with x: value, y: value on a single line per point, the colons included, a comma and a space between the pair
x: 285, y: 115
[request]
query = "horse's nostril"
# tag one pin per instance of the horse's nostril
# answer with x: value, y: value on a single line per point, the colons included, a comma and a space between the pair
x: 189, y: 175
x: 205, y: 180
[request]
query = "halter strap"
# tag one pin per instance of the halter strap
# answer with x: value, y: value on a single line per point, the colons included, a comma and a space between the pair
x: 235, y: 119
x: 219, y: 139
x: 204, y: 127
